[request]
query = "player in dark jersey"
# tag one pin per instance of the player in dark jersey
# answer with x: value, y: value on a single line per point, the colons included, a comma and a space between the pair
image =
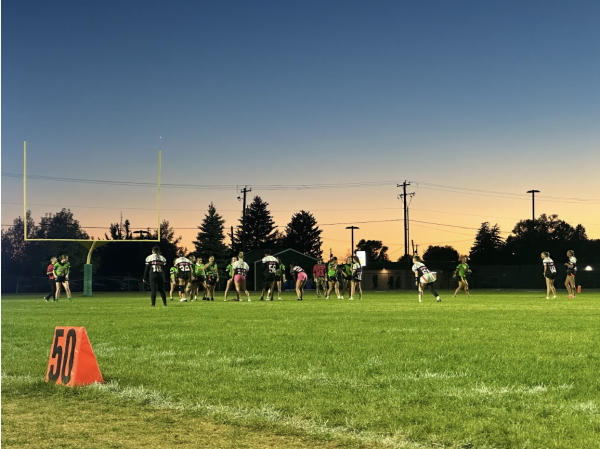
x: 61, y: 275
x: 269, y: 269
x: 212, y: 276
x: 229, y: 274
x: 154, y: 272
x: 332, y: 277
x: 356, y: 278
x: 301, y: 278
x: 173, y: 279
x: 571, y: 270
x: 549, y: 274
x: 192, y: 286
x: 184, y: 274
x: 50, y: 274
x: 346, y: 276
x: 424, y: 278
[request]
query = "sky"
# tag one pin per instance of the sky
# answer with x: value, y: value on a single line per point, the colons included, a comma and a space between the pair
x: 323, y: 106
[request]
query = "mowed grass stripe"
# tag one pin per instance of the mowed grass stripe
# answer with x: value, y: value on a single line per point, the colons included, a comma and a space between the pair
x: 499, y: 369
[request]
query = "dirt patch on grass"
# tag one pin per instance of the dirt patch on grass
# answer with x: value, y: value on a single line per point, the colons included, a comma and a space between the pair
x: 65, y: 422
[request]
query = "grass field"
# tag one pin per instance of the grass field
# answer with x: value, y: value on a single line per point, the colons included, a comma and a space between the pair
x: 503, y: 369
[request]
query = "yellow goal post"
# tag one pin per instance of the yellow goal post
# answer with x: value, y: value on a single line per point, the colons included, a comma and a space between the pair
x: 90, y: 244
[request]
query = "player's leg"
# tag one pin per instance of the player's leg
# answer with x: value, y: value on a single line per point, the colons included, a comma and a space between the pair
x: 433, y: 292
x: 358, y: 283
x: 160, y: 285
x: 182, y: 295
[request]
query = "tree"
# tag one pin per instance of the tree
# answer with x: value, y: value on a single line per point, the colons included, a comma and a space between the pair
x: 375, y: 251
x: 19, y: 256
x: 546, y: 233
x: 303, y: 234
x: 441, y: 254
x: 127, y: 259
x: 259, y: 226
x: 488, y: 245
x: 210, y: 239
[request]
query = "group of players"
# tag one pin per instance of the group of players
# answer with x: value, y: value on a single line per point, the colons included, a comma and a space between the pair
x: 188, y: 275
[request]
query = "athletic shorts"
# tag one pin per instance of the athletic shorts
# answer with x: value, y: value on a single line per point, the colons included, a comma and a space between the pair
x: 269, y: 278
x: 211, y: 280
x: 332, y: 279
x: 551, y: 276
x: 356, y: 278
x: 61, y: 279
x: 185, y: 275
x: 302, y: 276
x: 428, y: 278
x: 277, y: 278
x: 239, y: 278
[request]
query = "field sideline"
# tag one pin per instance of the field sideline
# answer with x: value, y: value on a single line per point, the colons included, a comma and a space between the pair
x: 503, y: 369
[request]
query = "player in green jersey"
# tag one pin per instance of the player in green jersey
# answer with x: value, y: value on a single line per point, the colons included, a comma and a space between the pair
x: 461, y: 271
x: 279, y: 275
x: 212, y: 276
x: 61, y: 275
x: 332, y: 277
x: 201, y: 277
x: 229, y: 273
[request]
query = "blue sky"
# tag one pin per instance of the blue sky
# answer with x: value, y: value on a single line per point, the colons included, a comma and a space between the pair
x: 496, y: 95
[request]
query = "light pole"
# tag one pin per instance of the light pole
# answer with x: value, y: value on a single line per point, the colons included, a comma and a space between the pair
x: 533, y: 192
x: 352, y: 228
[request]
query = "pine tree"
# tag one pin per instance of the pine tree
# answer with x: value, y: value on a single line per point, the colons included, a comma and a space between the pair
x: 259, y: 227
x: 488, y: 245
x: 210, y: 239
x: 303, y: 234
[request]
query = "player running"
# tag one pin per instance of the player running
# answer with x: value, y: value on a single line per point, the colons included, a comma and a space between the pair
x: 269, y: 266
x: 356, y: 278
x: 424, y: 278
x: 571, y: 270
x: 549, y: 274
x: 229, y: 273
x: 184, y: 275
x: 61, y: 276
x: 154, y: 272
x: 301, y: 278
x: 462, y: 270
x: 319, y: 271
x: 212, y: 276
x: 240, y: 271
x: 332, y: 277
x: 173, y: 279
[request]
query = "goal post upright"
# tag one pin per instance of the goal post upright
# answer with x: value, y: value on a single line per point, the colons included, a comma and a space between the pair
x: 90, y: 244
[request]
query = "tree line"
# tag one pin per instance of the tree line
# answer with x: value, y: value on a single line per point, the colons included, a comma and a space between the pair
x: 527, y: 240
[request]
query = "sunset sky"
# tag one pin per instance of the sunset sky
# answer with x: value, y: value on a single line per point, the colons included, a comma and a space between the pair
x: 317, y: 105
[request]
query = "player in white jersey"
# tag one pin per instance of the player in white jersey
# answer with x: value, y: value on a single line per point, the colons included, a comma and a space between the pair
x: 424, y: 278
x: 549, y: 274
x: 571, y: 270
x: 240, y: 271
x: 356, y: 277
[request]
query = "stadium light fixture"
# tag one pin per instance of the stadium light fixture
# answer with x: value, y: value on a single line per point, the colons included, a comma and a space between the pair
x: 588, y: 268
x: 352, y: 238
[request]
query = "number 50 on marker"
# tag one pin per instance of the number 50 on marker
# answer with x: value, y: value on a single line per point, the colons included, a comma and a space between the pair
x: 72, y: 360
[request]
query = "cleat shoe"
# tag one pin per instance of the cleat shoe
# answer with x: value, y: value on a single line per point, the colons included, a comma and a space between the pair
x: 326, y: 297
x: 351, y: 298
x: 547, y: 297
x: 249, y: 300
x: 438, y: 299
x: 183, y: 300
x: 420, y: 300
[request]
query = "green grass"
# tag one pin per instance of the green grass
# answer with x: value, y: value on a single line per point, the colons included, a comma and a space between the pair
x: 503, y: 369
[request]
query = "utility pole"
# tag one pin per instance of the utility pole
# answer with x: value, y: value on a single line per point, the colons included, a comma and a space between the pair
x: 404, y: 197
x: 232, y: 239
x: 533, y: 192
x: 244, y: 191
x: 352, y: 228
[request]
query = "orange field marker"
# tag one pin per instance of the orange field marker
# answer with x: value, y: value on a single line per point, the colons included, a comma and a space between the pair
x: 72, y: 360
